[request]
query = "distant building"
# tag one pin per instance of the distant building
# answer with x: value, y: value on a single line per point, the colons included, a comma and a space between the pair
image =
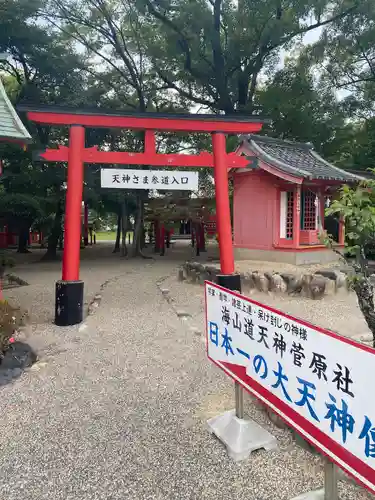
x: 12, y: 130
x: 279, y: 202
x: 11, y: 127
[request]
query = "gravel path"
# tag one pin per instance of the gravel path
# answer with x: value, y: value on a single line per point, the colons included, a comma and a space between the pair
x: 117, y: 407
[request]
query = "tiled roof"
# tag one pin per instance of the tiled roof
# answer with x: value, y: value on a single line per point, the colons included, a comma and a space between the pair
x: 297, y: 159
x: 11, y: 126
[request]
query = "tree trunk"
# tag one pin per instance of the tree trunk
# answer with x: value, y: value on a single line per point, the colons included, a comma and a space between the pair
x: 124, y: 226
x: 55, y: 234
x: 136, y: 247
x: 23, y: 238
x: 138, y: 230
x: 365, y: 296
x: 118, y: 234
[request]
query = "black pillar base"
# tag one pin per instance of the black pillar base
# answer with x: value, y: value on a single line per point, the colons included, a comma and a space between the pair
x: 86, y: 241
x: 69, y: 303
x: 230, y: 281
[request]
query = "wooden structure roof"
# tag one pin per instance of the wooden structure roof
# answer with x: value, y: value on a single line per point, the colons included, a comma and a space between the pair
x: 296, y: 159
x: 11, y: 126
x: 177, y: 208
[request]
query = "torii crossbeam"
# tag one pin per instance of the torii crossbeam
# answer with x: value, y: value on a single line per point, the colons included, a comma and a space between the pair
x: 69, y: 290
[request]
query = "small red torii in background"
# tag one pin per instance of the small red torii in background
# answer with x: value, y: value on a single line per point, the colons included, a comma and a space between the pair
x: 69, y: 291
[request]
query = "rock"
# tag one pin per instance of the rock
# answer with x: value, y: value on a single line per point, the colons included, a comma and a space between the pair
x: 180, y: 275
x: 211, y: 273
x: 330, y: 288
x: 199, y: 268
x: 293, y: 282
x: 193, y: 275
x: 202, y: 278
x: 341, y: 280
x: 372, y: 279
x: 261, y: 282
x: 183, y: 314
x: 305, y: 285
x: 277, y: 284
x: 328, y: 273
x: 247, y: 282
x: 317, y: 287
x: 268, y: 275
x: 164, y: 291
x: 19, y: 355
x: 188, y: 265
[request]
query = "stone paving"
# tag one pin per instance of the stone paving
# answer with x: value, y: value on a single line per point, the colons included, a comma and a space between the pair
x: 116, y: 408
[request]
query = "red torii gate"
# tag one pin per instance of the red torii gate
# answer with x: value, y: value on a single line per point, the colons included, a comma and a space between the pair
x: 69, y: 290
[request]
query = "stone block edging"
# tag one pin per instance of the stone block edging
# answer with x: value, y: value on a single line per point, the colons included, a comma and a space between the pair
x: 312, y: 285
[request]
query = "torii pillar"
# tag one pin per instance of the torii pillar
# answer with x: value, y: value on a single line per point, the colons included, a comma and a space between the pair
x: 227, y: 279
x: 69, y: 290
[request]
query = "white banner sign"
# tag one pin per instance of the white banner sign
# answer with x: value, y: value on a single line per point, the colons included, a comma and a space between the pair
x: 317, y: 381
x: 168, y: 180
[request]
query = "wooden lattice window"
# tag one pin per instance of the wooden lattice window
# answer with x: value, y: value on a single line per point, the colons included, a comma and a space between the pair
x: 289, y: 214
x: 309, y: 211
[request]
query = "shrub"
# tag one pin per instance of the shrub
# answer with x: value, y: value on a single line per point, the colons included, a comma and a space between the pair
x: 5, y: 263
x: 10, y: 320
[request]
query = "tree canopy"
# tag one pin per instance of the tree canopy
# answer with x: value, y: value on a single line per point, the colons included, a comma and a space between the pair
x: 214, y: 56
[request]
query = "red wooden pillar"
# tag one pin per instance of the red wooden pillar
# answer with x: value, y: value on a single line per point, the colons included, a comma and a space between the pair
x: 69, y: 291
x: 222, y: 204
x: 86, y: 225
x: 297, y: 216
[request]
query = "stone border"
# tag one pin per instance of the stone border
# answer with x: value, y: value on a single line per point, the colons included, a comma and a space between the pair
x: 314, y: 286
x: 16, y: 360
x: 12, y: 281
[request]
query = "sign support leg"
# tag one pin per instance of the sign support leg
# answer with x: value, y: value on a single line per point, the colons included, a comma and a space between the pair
x: 241, y: 436
x: 239, y: 400
x: 330, y: 481
x: 330, y: 490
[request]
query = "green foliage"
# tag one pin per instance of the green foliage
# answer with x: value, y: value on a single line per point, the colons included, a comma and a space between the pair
x: 301, y: 108
x: 357, y: 206
x: 179, y: 56
x: 20, y: 206
x: 345, y: 54
x: 6, y: 262
x: 10, y: 320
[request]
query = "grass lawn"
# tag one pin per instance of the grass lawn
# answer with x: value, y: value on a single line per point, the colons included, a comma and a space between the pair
x: 110, y: 236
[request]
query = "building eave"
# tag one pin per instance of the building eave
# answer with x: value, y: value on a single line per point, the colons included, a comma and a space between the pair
x: 23, y: 135
x: 267, y: 166
x: 273, y: 162
x: 344, y: 174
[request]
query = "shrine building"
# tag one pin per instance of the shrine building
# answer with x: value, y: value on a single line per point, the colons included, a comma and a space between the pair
x: 12, y: 131
x: 11, y: 126
x: 279, y: 202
